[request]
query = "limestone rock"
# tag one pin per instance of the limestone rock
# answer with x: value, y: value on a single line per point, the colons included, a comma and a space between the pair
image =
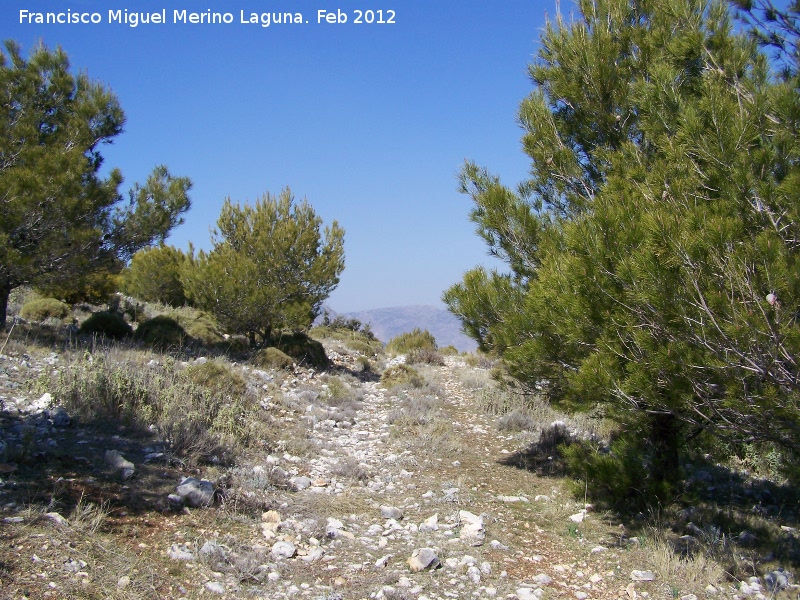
x: 119, y: 463
x: 283, y: 549
x: 391, y: 512
x: 423, y: 558
x: 471, y: 528
x: 197, y: 493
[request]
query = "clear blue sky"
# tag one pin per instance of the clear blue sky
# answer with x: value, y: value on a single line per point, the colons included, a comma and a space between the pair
x: 370, y: 122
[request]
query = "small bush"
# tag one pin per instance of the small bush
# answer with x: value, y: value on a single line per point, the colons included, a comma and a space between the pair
x: 96, y: 287
x: 401, y: 375
x: 357, y: 341
x: 424, y: 356
x: 449, y: 351
x: 199, y: 325
x: 108, y: 324
x: 405, y: 342
x: 517, y: 420
x: 41, y: 309
x: 303, y: 350
x: 218, y: 378
x: 154, y: 275
x: 272, y: 358
x: 479, y: 360
x: 364, y: 365
x: 161, y: 332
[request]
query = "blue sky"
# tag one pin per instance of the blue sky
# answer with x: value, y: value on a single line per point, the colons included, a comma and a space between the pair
x: 369, y: 122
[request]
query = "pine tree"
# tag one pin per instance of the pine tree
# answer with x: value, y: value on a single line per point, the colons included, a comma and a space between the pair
x: 60, y: 219
x: 269, y: 269
x: 653, y: 251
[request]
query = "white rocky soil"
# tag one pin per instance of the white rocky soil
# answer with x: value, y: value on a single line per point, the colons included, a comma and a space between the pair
x: 402, y: 497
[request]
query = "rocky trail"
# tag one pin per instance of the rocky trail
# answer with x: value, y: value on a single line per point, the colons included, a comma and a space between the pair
x: 396, y: 494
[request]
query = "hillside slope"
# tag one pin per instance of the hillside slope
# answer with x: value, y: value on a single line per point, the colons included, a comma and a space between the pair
x: 387, y: 323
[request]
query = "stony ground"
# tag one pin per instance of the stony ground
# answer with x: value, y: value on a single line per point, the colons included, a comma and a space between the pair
x: 395, y: 494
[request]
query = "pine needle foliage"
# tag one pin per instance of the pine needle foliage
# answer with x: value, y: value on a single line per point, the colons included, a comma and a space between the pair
x: 270, y: 268
x: 653, y: 253
x: 61, y: 219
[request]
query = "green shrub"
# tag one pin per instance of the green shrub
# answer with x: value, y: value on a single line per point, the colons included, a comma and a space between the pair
x: 272, y: 358
x: 218, y: 378
x: 205, y: 412
x: 44, y: 308
x: 154, y: 275
x: 95, y: 287
x: 405, y: 342
x: 479, y: 360
x: 303, y: 350
x: 199, y: 325
x: 161, y: 332
x: 449, y: 351
x: 109, y: 324
x: 357, y: 341
x: 401, y: 375
x: 424, y: 356
x: 233, y: 345
x: 364, y: 365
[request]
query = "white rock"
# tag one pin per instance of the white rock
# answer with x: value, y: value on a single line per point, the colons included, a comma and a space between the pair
x: 283, y: 549
x: 56, y: 518
x: 526, y: 594
x: 430, y: 524
x: 543, y: 579
x: 215, y: 587
x: 391, y: 512
x: 383, y: 561
x: 423, y: 558
x: 474, y: 574
x: 642, y: 575
x: 578, y: 517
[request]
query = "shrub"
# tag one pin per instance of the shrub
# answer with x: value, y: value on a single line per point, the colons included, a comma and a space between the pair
x: 205, y: 412
x: 449, y: 351
x: 401, y: 375
x: 479, y: 360
x: 218, y: 378
x: 424, y: 356
x: 272, y: 358
x: 405, y: 342
x: 364, y: 365
x: 108, y: 324
x: 44, y: 308
x: 161, y: 332
x: 357, y: 341
x: 303, y: 350
x: 198, y: 325
x: 517, y: 420
x: 154, y: 275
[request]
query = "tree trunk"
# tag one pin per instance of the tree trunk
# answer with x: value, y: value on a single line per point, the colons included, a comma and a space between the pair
x: 664, y: 435
x: 5, y: 292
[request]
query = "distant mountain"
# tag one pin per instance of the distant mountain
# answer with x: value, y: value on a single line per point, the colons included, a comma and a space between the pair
x: 387, y: 323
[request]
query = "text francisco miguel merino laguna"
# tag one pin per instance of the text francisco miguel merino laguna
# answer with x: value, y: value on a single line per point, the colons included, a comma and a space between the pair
x: 183, y: 16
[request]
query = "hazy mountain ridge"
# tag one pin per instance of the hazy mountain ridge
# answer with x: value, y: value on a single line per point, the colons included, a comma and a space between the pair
x: 387, y: 323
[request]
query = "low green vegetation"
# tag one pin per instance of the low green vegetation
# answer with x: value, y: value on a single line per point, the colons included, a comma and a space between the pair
x: 161, y: 333
x: 107, y: 324
x: 417, y: 339
x: 401, y: 375
x: 40, y: 309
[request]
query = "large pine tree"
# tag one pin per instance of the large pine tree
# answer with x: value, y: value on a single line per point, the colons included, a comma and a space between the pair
x: 653, y: 252
x: 59, y: 218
